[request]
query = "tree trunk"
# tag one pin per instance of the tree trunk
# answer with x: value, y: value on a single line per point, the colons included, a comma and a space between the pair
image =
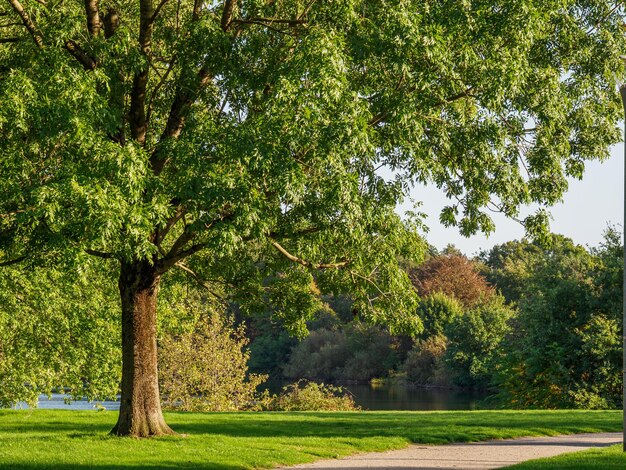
x: 140, y: 408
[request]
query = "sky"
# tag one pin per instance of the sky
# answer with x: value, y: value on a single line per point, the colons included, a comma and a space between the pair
x: 588, y: 207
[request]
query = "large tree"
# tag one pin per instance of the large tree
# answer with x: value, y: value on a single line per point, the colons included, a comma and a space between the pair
x: 230, y: 138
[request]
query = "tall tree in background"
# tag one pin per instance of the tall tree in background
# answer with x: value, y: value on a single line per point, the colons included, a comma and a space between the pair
x: 454, y: 275
x: 233, y: 139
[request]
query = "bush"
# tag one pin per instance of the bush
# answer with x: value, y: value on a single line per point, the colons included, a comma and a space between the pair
x: 437, y: 311
x: 425, y: 363
x: 475, y: 340
x: 269, y: 353
x: 311, y: 396
x: 206, y: 369
x: 356, y: 352
x: 320, y: 356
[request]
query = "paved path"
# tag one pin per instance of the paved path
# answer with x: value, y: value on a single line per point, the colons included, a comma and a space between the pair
x: 474, y: 456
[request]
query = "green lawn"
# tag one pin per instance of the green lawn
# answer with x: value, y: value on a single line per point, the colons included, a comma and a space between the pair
x: 52, y: 439
x: 609, y: 458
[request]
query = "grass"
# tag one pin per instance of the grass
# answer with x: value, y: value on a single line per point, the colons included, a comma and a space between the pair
x: 75, y: 440
x: 609, y: 458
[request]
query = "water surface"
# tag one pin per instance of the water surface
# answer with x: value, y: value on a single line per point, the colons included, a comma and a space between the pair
x: 368, y: 397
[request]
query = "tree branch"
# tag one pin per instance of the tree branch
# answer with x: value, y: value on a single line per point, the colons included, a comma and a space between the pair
x: 93, y: 17
x: 183, y: 100
x: 81, y: 56
x: 137, y: 112
x: 305, y: 263
x: 170, y: 260
x: 99, y: 254
x: 201, y: 282
x: 382, y: 115
x: 157, y: 10
x: 111, y: 23
x: 197, y: 9
x: 12, y: 261
x: 467, y: 93
x: 162, y: 233
x: 295, y: 22
x: 27, y: 22
x: 227, y: 14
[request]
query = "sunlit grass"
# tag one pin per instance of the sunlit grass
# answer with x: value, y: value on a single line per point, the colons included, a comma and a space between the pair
x: 54, y: 439
x: 609, y: 458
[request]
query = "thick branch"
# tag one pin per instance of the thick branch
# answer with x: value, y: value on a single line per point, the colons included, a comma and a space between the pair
x: 12, y: 261
x: 161, y: 233
x: 99, y: 254
x: 93, y: 17
x: 111, y: 23
x: 197, y: 9
x: 81, y: 56
x: 27, y: 22
x: 137, y: 113
x: 288, y: 22
x: 183, y: 100
x: 170, y: 260
x: 179, y: 243
x: 305, y: 263
x: 8, y: 40
x: 227, y: 13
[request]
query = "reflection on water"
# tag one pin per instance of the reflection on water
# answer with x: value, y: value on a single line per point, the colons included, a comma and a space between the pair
x: 379, y: 397
x: 400, y: 397
x: 397, y: 397
x: 57, y: 401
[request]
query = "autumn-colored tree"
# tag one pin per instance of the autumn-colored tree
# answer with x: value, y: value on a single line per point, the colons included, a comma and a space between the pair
x: 454, y: 275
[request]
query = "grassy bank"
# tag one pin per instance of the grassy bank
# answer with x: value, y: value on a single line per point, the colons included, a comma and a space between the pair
x: 610, y: 458
x: 53, y: 439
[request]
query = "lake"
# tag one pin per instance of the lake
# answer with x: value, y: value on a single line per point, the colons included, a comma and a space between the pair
x: 368, y: 397
x: 397, y: 397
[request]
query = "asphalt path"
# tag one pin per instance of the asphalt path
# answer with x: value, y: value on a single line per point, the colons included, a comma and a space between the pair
x: 472, y: 456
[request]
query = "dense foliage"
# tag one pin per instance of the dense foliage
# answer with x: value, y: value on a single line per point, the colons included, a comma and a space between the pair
x: 566, y: 346
x: 351, y: 352
x: 453, y: 275
x: 59, y: 329
x: 206, y: 368
x: 475, y: 350
x: 310, y: 396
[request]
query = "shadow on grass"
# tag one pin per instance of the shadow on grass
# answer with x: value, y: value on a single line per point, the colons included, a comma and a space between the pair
x: 423, y: 427
x: 272, y: 437
x: 122, y: 466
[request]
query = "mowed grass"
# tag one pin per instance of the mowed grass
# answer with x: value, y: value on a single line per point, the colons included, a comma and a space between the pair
x: 609, y: 458
x: 55, y: 439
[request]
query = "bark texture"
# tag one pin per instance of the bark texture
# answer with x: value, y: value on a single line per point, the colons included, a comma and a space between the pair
x: 140, y: 407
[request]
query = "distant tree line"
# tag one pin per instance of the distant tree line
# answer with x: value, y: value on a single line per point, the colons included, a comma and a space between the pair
x: 538, y: 324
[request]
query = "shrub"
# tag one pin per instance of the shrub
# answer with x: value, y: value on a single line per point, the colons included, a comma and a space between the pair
x: 205, y: 369
x: 373, y: 352
x: 475, y: 339
x: 311, y: 396
x: 425, y: 363
x: 356, y: 352
x: 321, y: 355
x: 437, y: 311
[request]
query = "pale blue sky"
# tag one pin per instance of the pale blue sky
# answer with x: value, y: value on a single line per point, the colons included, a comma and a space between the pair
x: 587, y: 207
